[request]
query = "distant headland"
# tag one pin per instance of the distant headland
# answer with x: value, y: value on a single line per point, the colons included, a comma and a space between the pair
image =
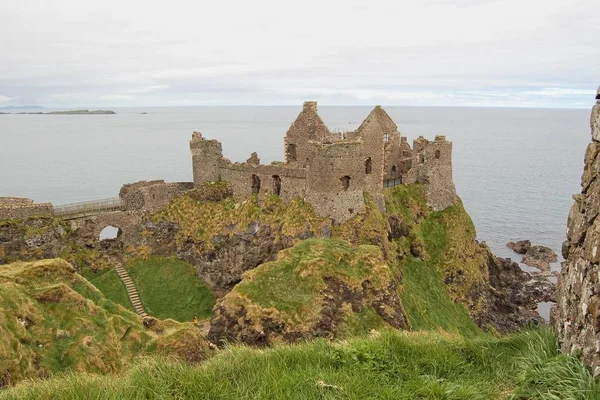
x: 68, y: 112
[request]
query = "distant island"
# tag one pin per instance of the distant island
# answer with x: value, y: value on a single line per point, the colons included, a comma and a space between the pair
x: 71, y: 112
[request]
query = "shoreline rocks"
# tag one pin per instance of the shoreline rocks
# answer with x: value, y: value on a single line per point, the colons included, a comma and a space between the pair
x: 539, y: 257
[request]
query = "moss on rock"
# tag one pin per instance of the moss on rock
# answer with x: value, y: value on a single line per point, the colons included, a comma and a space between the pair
x: 313, y: 289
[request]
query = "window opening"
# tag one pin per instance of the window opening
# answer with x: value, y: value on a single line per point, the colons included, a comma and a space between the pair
x: 255, y: 184
x: 276, y: 185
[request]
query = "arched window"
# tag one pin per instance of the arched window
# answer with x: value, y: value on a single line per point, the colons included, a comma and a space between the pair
x: 345, y: 182
x: 255, y: 184
x: 386, y: 137
x: 393, y: 169
x: 421, y: 158
x: 437, y: 154
x: 368, y: 166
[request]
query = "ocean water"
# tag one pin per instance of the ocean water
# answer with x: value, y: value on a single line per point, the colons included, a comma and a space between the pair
x: 515, y: 169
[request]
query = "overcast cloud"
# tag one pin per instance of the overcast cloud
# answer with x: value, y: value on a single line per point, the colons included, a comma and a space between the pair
x: 74, y: 53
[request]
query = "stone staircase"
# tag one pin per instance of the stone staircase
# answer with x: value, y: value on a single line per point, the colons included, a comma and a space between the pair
x: 132, y: 292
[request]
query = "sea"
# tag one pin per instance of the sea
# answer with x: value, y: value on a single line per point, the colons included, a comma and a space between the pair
x: 515, y: 169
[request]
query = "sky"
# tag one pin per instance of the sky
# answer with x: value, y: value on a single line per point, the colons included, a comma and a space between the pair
x: 510, y: 53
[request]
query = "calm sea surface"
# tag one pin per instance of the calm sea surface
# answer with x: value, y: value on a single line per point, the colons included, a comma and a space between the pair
x: 515, y: 169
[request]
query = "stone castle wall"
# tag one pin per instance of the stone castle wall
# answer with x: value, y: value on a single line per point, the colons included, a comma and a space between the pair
x: 317, y: 160
x: 151, y: 196
x: 334, y: 186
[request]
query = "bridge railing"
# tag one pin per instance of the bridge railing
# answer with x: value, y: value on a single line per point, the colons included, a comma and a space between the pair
x: 388, y: 183
x: 85, y: 208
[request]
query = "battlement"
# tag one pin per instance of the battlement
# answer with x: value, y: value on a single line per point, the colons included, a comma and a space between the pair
x: 333, y: 170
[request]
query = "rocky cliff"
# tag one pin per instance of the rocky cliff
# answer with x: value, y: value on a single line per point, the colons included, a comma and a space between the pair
x: 577, y: 311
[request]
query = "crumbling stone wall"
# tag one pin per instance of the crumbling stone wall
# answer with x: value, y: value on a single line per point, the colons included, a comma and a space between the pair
x: 576, y: 313
x: 151, y: 196
x: 20, y: 208
x: 263, y: 180
x: 335, y: 186
x: 432, y: 166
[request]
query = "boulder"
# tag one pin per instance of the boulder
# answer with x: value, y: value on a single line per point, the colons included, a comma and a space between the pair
x: 540, y: 257
x: 519, y: 247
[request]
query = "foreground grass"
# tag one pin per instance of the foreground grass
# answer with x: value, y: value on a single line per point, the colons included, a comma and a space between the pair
x: 394, y: 365
x: 169, y: 288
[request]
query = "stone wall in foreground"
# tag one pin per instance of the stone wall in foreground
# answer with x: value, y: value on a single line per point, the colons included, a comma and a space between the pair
x: 576, y: 314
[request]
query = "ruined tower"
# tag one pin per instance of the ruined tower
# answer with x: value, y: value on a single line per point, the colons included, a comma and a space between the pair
x: 307, y: 126
x: 206, y: 156
x: 432, y: 166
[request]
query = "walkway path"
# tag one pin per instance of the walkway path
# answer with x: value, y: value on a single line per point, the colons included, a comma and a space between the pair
x: 87, y: 208
x: 132, y: 292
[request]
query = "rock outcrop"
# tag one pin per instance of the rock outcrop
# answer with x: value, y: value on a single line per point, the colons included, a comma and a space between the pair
x: 540, y: 257
x: 576, y: 314
x: 318, y: 288
x: 519, y: 247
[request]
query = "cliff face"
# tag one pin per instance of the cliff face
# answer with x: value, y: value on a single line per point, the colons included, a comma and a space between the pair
x: 577, y: 311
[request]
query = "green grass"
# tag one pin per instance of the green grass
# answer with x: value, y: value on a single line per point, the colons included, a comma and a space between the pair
x: 426, y: 300
x: 111, y: 286
x: 393, y: 365
x: 448, y: 239
x: 169, y: 288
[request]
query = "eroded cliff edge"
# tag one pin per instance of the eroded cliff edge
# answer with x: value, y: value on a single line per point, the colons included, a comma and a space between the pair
x: 576, y: 314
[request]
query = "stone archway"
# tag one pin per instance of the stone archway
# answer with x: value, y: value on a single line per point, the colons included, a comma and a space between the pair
x: 110, y: 232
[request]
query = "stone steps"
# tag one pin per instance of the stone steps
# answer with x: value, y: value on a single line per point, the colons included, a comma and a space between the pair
x: 132, y: 292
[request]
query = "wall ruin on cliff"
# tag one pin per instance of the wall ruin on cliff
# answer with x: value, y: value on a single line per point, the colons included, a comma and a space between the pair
x: 332, y: 171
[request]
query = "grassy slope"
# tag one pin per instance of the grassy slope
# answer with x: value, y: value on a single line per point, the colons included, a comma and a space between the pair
x: 394, y: 365
x: 111, y: 286
x: 53, y: 320
x: 169, y: 288
x: 448, y: 240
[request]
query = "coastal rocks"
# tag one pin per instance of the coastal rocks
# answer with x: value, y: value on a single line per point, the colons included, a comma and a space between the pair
x: 576, y: 314
x: 535, y: 256
x: 514, y: 295
x: 519, y: 247
x: 540, y: 257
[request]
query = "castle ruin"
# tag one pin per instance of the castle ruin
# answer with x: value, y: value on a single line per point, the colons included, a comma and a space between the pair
x: 333, y: 171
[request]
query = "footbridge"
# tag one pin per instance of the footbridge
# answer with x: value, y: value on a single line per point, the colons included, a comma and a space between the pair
x: 88, y: 208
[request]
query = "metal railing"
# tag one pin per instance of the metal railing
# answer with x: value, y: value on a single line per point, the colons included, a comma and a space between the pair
x: 87, y: 208
x: 388, y: 183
